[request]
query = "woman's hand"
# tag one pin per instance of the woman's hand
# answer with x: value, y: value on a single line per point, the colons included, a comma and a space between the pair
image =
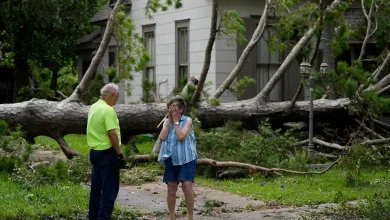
x: 169, y: 113
x: 176, y: 115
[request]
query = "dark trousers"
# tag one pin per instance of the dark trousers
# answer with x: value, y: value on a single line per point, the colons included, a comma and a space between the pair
x: 104, y: 183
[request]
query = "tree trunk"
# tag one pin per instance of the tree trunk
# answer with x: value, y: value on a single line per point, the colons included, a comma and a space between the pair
x: 262, y: 96
x: 85, y: 83
x: 241, y: 61
x: 368, y: 30
x: 56, y: 119
x: 207, y: 57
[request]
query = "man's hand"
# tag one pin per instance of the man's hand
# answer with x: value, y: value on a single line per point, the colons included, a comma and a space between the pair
x: 121, y: 162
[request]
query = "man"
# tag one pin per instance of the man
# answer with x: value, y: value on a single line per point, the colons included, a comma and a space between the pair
x: 103, y: 137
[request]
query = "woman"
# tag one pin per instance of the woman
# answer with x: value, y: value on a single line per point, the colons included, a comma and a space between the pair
x: 178, y: 151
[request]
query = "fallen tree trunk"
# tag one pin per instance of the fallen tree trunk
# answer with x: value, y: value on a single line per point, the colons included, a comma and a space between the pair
x: 56, y: 119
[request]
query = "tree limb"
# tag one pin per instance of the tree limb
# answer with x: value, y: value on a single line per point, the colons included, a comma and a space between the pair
x: 233, y: 173
x: 207, y: 56
x: 382, y: 123
x: 231, y: 164
x: 62, y: 94
x: 369, y: 130
x: 376, y: 141
x: 241, y: 61
x: 364, y: 10
x: 156, y: 147
x: 330, y: 156
x: 85, y: 83
x: 380, y: 69
x: 322, y: 143
x: 262, y: 96
x: 40, y: 163
x: 313, y: 59
x: 69, y: 152
x: 368, y: 30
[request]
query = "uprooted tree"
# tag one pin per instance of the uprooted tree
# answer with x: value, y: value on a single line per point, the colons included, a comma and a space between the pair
x: 353, y: 98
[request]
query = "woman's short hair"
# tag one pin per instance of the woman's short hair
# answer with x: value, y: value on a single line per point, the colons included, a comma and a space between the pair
x: 108, y: 90
x: 179, y: 102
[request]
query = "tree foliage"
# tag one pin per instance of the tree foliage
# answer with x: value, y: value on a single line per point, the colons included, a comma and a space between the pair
x: 152, y: 6
x: 132, y: 55
x: 43, y: 33
x: 231, y: 26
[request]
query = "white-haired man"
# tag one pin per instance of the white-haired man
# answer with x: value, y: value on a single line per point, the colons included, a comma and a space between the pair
x: 103, y: 137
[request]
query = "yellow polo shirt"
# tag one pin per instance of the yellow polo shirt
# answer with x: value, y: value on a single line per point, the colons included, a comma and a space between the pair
x: 101, y: 118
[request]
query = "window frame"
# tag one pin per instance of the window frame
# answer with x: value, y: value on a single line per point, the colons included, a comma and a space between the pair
x: 178, y: 26
x: 147, y: 29
x: 268, y: 64
x: 113, y: 63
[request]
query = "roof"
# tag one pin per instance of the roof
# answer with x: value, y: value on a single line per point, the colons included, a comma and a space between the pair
x: 356, y: 19
x: 354, y: 16
x: 103, y: 14
x: 89, y: 37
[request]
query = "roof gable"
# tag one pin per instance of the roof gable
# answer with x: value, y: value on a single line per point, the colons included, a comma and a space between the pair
x: 103, y: 14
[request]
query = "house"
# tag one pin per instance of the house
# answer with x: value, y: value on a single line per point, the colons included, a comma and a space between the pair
x: 176, y: 40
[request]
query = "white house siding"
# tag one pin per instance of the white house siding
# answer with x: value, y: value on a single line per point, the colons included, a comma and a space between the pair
x: 226, y: 51
x: 198, y: 12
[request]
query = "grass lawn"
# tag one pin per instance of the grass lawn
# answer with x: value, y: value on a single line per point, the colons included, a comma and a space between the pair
x: 63, y: 199
x: 76, y: 141
x: 304, y: 190
x: 79, y: 142
x: 289, y: 190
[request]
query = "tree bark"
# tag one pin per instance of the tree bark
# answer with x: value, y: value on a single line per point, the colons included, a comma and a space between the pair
x: 378, y: 72
x: 381, y: 87
x: 262, y: 96
x: 241, y: 61
x: 322, y: 143
x: 376, y: 141
x: 56, y: 119
x: 85, y: 83
x: 207, y: 56
x: 368, y: 30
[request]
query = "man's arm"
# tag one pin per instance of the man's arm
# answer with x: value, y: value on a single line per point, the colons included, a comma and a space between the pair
x: 114, y: 140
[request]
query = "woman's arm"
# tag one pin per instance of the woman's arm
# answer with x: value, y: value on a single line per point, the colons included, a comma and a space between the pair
x: 182, y: 133
x: 164, y: 131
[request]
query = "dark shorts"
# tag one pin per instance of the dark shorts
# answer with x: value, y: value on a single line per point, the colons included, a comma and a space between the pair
x: 185, y: 172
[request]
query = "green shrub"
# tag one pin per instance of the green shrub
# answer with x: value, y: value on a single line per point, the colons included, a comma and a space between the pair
x: 265, y: 147
x: 80, y: 169
x: 359, y: 158
x: 141, y: 174
x: 14, y: 149
x: 377, y: 208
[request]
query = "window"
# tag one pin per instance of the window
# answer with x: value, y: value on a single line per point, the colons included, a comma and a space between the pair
x: 267, y: 64
x: 111, y: 63
x: 150, y: 46
x: 182, y: 51
x: 85, y: 65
